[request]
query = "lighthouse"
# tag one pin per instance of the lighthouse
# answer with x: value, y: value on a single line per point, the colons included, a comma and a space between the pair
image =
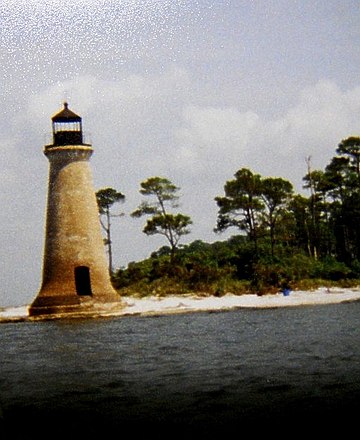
x: 75, y: 277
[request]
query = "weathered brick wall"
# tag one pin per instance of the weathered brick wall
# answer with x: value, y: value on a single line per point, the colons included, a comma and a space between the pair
x: 73, y: 233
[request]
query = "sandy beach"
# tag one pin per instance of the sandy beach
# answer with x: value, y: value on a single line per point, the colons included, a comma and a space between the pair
x: 192, y: 303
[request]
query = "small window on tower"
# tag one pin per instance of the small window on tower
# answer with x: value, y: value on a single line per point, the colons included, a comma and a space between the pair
x: 82, y: 280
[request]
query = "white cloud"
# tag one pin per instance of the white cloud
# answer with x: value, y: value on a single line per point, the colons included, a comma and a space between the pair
x: 324, y: 111
x: 323, y: 116
x: 221, y: 126
x: 210, y: 137
x: 217, y: 140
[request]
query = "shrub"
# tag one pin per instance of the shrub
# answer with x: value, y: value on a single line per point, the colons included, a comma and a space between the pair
x: 331, y: 269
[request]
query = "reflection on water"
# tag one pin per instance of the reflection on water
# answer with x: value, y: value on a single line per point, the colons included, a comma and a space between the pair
x: 198, y: 373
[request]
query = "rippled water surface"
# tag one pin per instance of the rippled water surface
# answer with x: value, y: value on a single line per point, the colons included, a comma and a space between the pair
x: 199, y: 371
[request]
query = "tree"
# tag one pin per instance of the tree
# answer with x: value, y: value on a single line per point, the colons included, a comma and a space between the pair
x: 161, y: 221
x: 335, y: 194
x: 339, y: 178
x: 300, y: 211
x: 242, y: 204
x: 351, y: 148
x: 106, y: 198
x: 276, y: 194
x: 343, y: 175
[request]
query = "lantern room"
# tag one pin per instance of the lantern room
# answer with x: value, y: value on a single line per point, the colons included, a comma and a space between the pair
x: 67, y: 129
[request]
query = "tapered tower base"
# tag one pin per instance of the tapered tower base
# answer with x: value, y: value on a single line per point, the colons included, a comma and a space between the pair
x: 64, y: 307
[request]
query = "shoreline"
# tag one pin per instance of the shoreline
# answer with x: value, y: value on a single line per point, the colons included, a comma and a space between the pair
x: 191, y: 303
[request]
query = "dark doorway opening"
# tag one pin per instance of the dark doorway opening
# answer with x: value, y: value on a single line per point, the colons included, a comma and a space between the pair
x: 82, y: 280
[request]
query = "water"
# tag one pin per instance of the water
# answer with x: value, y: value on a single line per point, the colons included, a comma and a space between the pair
x: 194, y: 373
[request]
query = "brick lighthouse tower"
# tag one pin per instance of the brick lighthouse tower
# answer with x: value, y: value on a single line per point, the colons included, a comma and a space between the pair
x: 75, y: 270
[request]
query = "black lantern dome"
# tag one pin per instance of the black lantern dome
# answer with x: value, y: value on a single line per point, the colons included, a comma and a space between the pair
x: 67, y: 128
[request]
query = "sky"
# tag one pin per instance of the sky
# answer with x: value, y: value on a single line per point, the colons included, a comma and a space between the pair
x: 189, y: 90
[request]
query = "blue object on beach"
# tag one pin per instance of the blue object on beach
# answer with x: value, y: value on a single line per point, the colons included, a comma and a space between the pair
x: 286, y: 292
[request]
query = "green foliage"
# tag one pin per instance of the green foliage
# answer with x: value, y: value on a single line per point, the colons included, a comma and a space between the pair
x: 163, y: 224
x: 135, y: 271
x: 355, y: 269
x: 242, y: 204
x: 351, y: 148
x: 159, y: 287
x: 255, y: 205
x: 331, y: 269
x: 284, y: 239
x: 106, y: 197
x: 230, y: 266
x: 161, y: 221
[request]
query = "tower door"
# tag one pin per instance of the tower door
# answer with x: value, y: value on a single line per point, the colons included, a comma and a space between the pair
x: 82, y: 280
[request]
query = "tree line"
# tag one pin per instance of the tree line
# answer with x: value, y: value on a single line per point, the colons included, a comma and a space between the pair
x: 282, y: 239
